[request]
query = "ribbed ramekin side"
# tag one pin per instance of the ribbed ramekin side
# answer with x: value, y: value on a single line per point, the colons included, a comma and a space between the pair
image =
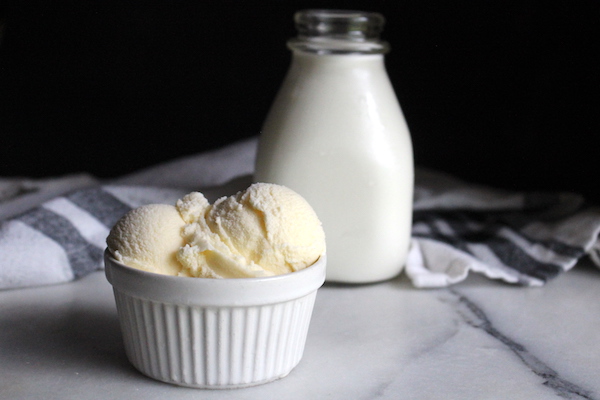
x: 214, y: 347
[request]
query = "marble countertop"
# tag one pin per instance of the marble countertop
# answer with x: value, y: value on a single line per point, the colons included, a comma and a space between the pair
x: 479, y: 339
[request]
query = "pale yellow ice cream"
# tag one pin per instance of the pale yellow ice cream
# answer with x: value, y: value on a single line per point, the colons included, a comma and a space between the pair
x: 265, y: 230
x: 148, y: 238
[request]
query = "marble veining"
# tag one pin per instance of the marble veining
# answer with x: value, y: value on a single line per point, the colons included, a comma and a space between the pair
x: 473, y: 315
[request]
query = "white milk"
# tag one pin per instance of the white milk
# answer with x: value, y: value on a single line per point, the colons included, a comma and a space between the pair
x: 336, y: 135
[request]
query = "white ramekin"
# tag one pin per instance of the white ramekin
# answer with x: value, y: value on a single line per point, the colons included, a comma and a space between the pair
x: 214, y: 333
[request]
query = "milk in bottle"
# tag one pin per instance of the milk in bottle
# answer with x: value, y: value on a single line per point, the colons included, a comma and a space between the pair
x: 336, y: 134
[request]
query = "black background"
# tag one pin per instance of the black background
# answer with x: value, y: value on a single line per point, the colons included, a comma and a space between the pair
x: 497, y: 92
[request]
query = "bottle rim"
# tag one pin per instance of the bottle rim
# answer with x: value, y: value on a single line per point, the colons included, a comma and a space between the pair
x: 338, y: 32
x: 353, y: 24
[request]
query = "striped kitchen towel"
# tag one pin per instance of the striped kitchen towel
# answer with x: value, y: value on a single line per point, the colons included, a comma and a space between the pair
x: 64, y: 238
x: 521, y: 238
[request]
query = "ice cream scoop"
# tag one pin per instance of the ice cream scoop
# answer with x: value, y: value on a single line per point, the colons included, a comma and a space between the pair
x: 148, y: 238
x: 265, y: 230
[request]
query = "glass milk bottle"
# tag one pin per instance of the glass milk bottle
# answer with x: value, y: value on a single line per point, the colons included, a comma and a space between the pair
x: 336, y: 134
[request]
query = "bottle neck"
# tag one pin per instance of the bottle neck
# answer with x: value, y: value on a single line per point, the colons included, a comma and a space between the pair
x: 309, y: 62
x: 324, y: 45
x: 338, y: 32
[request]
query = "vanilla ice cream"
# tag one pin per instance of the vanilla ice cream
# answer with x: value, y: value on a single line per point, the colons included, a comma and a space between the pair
x: 148, y: 238
x: 265, y: 230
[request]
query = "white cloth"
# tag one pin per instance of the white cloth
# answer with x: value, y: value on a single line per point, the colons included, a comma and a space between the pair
x: 521, y: 238
x: 54, y: 231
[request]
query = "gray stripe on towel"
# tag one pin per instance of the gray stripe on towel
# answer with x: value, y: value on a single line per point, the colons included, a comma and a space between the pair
x: 83, y: 256
x: 102, y: 205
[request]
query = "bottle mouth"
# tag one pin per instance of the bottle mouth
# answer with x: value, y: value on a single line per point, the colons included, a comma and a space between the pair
x: 338, y: 32
x: 348, y: 24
